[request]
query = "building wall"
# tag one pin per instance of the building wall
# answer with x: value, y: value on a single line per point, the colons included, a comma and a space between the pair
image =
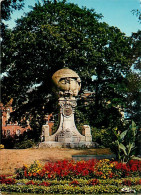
x: 11, y: 129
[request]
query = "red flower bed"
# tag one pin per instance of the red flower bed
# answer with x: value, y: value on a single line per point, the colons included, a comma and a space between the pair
x: 8, y: 181
x: 89, y: 169
x: 133, y: 167
x: 66, y: 169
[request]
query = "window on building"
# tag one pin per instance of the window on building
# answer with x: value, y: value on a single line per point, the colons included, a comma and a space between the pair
x: 8, y: 114
x: 18, y: 132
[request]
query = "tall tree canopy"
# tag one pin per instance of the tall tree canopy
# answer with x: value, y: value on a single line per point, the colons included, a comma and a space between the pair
x: 57, y: 35
x: 8, y: 6
x: 134, y: 81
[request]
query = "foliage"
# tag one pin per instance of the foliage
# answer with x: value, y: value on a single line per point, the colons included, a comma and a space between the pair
x: 134, y: 82
x: 104, y: 136
x: 7, y: 7
x: 56, y: 35
x: 8, y: 142
x: 82, y: 187
x: 23, y: 141
x: 125, y: 142
x: 137, y: 13
x: 134, y: 85
x: 25, y: 144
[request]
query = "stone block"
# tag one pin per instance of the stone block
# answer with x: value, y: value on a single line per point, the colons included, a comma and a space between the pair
x: 88, y: 138
x: 45, y: 132
x: 86, y: 130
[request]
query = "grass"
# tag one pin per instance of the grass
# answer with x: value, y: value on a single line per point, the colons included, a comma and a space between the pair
x: 16, y: 158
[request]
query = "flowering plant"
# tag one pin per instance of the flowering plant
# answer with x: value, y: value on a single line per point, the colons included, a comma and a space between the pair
x: 31, y: 171
x: 8, y: 181
x: 102, y: 169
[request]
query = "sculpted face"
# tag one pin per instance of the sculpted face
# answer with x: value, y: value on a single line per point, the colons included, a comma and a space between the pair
x: 69, y: 84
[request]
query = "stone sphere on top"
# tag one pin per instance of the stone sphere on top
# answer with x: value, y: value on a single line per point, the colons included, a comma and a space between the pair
x: 67, y: 82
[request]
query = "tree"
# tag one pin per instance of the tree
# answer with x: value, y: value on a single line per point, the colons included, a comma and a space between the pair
x: 60, y: 34
x: 137, y: 13
x: 133, y: 108
x: 134, y: 79
x: 7, y: 7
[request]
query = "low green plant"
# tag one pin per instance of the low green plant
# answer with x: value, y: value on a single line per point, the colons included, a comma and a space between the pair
x: 73, y: 186
x: 69, y: 189
x: 25, y: 144
x: 125, y: 142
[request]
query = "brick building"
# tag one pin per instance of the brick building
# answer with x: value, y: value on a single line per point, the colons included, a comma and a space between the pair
x: 12, y: 129
x: 9, y: 128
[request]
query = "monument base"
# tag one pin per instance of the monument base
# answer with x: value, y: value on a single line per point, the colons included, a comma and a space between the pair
x: 53, y: 144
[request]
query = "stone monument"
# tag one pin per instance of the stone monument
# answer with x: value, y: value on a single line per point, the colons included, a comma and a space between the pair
x: 67, y: 85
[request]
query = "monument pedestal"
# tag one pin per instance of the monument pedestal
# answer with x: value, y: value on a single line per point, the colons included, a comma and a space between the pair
x: 67, y: 134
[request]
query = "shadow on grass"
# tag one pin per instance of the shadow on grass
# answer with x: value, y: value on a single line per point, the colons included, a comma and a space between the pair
x: 96, y: 151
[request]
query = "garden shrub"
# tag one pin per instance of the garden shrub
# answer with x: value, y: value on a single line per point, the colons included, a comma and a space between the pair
x: 104, y: 137
x: 25, y: 140
x: 25, y: 144
x: 8, y: 142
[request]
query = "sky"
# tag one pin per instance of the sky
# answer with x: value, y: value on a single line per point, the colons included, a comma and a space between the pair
x: 116, y: 13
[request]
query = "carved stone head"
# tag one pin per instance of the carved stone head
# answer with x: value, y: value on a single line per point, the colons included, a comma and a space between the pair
x: 67, y: 81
